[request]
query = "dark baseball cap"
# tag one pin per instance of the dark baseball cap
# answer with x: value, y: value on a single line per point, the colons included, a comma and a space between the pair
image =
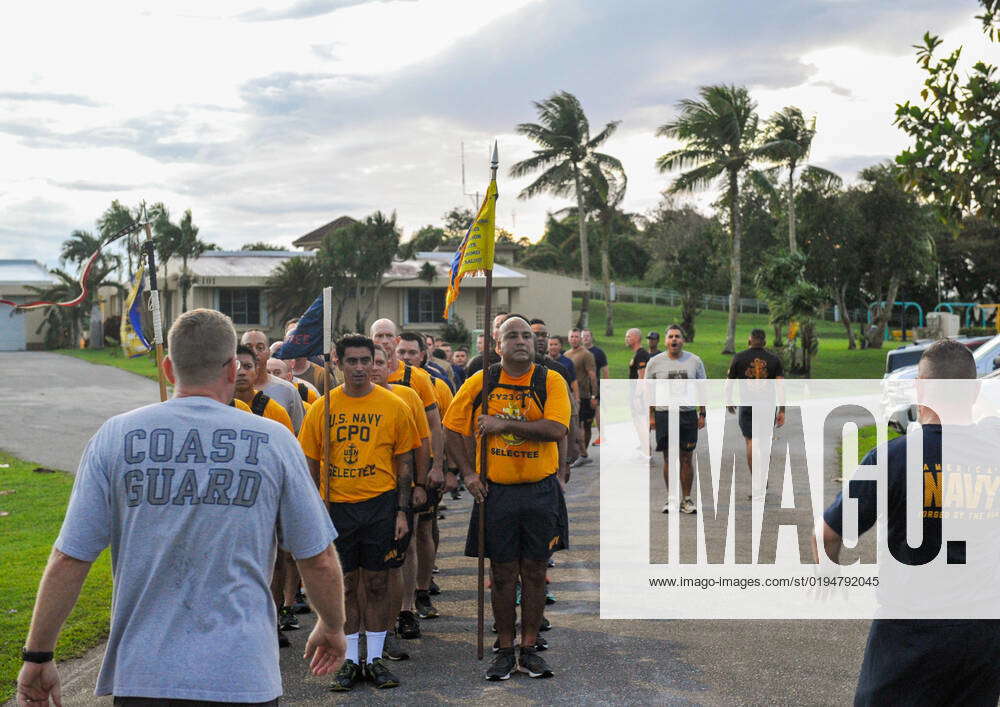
x: 653, y: 335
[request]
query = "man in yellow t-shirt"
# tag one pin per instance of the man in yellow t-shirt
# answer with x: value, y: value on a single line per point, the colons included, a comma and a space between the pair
x: 403, y: 575
x: 256, y: 400
x: 368, y: 483
x: 525, y: 510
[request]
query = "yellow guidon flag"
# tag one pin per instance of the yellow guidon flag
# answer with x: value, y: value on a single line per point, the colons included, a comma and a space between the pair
x: 475, y: 254
x: 133, y: 341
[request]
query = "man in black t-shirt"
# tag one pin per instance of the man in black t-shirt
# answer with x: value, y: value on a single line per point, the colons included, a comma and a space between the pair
x: 601, y: 361
x: 755, y: 363
x: 951, y: 657
x: 640, y: 357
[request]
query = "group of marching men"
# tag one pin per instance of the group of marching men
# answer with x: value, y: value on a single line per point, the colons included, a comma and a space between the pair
x: 403, y: 417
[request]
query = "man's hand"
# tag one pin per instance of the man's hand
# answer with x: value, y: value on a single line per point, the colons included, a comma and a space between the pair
x: 418, y: 496
x: 475, y: 486
x: 37, y: 683
x: 779, y: 419
x: 701, y: 422
x: 402, y: 527
x: 450, y: 482
x: 491, y: 425
x: 435, y: 477
x: 325, y: 649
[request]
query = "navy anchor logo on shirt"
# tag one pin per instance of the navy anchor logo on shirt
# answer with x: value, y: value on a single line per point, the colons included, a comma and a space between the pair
x: 351, y: 454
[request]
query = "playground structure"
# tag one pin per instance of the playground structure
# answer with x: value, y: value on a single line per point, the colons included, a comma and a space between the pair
x: 903, y: 333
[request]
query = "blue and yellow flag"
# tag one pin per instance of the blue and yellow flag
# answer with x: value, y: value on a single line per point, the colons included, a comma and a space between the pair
x: 133, y: 341
x: 475, y: 254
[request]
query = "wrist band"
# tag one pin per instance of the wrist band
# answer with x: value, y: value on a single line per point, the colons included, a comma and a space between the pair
x: 36, y: 656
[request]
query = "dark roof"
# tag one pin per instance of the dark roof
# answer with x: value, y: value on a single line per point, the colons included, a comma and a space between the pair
x: 313, y: 238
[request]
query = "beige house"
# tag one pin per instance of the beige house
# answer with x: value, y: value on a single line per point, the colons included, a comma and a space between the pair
x: 233, y: 282
x: 19, y: 331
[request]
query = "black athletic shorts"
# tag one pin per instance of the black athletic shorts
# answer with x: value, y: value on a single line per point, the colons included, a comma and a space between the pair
x: 365, y: 533
x: 745, y: 415
x: 523, y: 521
x: 587, y: 411
x: 688, y: 425
x: 430, y: 508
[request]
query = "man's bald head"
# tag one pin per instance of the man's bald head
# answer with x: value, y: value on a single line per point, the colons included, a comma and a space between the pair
x: 279, y: 369
x: 384, y: 334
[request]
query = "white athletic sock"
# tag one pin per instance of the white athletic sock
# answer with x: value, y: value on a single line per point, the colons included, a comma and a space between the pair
x: 375, y: 643
x: 352, y: 647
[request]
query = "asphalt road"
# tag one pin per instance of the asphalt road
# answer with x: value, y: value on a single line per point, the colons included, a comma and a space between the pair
x: 595, y: 661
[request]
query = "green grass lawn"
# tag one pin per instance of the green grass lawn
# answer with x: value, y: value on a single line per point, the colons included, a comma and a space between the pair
x: 113, y: 356
x: 834, y: 359
x: 32, y: 506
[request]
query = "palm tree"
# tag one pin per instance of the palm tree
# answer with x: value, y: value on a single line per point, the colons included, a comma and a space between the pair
x: 292, y: 287
x: 789, y: 139
x: 566, y: 148
x: 719, y: 133
x: 186, y: 246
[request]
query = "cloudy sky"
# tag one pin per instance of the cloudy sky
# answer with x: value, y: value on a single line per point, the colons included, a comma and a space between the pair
x: 269, y: 119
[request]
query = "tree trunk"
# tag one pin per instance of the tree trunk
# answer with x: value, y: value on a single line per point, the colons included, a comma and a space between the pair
x: 689, y: 309
x: 609, y: 310
x: 778, y: 341
x: 792, y: 246
x: 184, y: 285
x: 845, y: 316
x: 584, y: 320
x: 734, y: 262
x: 876, y: 332
x: 96, y: 327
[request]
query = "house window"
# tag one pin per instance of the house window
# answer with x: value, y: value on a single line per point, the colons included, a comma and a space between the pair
x: 425, y: 305
x: 241, y: 305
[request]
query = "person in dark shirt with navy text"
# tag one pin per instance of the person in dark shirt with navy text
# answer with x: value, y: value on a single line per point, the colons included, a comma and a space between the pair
x: 932, y: 661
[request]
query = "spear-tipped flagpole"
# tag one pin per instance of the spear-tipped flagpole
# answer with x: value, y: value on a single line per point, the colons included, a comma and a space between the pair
x: 483, y: 405
x: 327, y: 335
x: 154, y: 305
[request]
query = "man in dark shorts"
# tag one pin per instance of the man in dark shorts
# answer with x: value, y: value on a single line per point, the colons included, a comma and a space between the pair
x: 601, y: 361
x: 755, y: 363
x: 368, y: 484
x: 523, y: 500
x: 586, y: 379
x: 676, y: 363
x: 931, y: 661
x: 640, y: 357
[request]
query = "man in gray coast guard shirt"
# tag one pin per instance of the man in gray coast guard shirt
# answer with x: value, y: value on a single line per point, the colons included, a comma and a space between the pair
x: 189, y: 493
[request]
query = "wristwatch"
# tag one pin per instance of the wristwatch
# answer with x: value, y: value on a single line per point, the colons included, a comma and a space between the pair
x: 35, y: 656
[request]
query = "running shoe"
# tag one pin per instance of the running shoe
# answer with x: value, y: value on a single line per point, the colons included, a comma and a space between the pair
x: 434, y: 589
x: 541, y: 644
x: 494, y: 629
x: 455, y: 495
x: 596, y: 442
x: 435, y: 570
x: 580, y: 461
x: 347, y: 676
x: 667, y: 507
x: 379, y: 675
x: 545, y: 625
x: 422, y: 602
x: 287, y: 620
x: 503, y: 665
x: 407, y: 625
x: 392, y: 651
x: 687, y: 505
x: 283, y: 641
x: 301, y: 606
x: 533, y: 664
x: 551, y: 563
x: 550, y: 598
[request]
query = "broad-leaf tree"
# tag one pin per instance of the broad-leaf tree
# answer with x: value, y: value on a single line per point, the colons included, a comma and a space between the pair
x: 566, y: 149
x: 954, y: 160
x: 719, y: 136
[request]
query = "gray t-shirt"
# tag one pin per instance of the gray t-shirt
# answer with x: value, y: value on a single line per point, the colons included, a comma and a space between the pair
x: 189, y: 494
x: 286, y: 395
x: 686, y: 366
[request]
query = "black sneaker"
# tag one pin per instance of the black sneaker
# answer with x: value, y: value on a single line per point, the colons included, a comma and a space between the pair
x: 434, y: 589
x: 545, y: 625
x: 301, y: 606
x: 407, y: 625
x: 435, y: 570
x: 379, y: 675
x: 287, y: 620
x: 347, y: 677
x: 533, y: 664
x: 494, y: 628
x: 456, y: 494
x: 283, y: 641
x: 503, y: 665
x: 541, y: 644
x: 550, y: 598
x: 425, y: 609
x: 391, y: 651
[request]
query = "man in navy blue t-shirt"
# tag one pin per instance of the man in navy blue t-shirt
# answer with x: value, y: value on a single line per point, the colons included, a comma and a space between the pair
x: 934, y: 660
